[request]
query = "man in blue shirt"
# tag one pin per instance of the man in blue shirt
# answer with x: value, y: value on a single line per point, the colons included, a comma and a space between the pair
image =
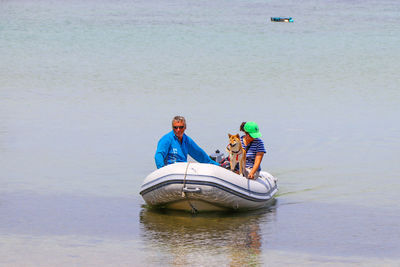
x: 176, y: 145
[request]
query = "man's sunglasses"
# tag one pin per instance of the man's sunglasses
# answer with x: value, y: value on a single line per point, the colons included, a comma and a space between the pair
x: 176, y: 127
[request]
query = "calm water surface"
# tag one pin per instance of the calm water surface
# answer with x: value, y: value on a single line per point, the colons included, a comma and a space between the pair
x: 87, y: 89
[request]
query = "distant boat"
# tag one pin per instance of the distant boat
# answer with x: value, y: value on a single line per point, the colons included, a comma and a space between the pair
x: 281, y: 19
x: 206, y: 187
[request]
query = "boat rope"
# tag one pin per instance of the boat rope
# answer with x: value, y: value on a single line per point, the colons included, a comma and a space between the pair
x: 194, y: 210
x: 184, y: 179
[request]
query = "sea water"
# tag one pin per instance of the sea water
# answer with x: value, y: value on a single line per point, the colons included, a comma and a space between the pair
x: 88, y: 87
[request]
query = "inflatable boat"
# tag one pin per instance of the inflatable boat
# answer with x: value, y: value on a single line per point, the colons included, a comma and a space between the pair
x: 281, y: 19
x: 205, y: 187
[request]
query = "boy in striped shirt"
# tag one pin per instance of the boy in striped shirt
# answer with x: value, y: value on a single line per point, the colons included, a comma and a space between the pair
x: 254, y: 147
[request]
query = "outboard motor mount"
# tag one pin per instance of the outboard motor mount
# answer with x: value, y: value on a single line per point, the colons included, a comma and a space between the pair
x: 217, y: 156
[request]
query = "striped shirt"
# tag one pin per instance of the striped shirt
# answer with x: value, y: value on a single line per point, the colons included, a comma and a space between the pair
x: 254, y: 147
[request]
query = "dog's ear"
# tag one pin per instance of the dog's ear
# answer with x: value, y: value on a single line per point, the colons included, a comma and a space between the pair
x: 229, y: 135
x: 237, y: 135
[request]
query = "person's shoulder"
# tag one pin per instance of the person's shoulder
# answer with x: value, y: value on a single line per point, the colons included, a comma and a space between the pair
x: 258, y: 141
x: 167, y: 136
x: 187, y: 138
x: 260, y: 144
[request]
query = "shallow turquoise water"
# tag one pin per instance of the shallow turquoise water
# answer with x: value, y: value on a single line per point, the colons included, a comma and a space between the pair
x: 87, y: 88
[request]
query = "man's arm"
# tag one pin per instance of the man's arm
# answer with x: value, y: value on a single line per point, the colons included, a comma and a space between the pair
x: 162, y: 152
x: 198, y: 153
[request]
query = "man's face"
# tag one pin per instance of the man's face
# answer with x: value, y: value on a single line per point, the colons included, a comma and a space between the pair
x: 179, y: 128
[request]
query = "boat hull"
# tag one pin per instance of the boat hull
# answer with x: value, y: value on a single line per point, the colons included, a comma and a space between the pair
x: 281, y: 19
x: 206, y: 187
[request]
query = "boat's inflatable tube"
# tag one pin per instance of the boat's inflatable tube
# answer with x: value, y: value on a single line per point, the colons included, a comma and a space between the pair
x: 281, y: 19
x: 206, y: 187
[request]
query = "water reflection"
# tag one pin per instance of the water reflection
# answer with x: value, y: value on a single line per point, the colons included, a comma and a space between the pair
x: 234, y: 238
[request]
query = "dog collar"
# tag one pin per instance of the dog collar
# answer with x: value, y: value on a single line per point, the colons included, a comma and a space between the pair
x: 239, y: 151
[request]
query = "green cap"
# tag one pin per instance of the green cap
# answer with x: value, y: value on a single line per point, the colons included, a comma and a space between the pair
x: 252, y: 129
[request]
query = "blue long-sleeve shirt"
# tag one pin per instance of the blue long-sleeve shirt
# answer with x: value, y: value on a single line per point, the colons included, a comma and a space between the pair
x: 170, y: 150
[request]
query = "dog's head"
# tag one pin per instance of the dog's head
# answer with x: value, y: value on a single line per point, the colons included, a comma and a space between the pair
x: 234, y: 140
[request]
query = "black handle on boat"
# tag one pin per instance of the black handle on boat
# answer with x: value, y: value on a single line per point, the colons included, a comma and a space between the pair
x: 191, y: 190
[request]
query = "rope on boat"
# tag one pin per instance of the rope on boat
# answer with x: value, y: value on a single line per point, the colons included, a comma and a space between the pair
x: 184, y: 179
x: 194, y: 210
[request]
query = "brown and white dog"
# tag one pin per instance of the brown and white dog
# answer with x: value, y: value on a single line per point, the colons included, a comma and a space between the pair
x: 236, y: 153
